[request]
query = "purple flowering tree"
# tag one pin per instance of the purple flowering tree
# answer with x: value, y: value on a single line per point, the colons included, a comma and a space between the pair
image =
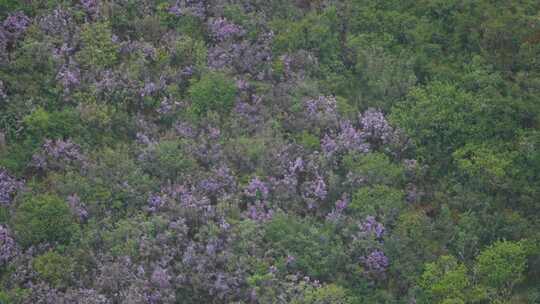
x: 8, y: 187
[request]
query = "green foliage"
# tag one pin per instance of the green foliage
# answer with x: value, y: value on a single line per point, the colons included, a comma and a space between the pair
x: 98, y: 49
x: 445, y: 281
x: 287, y: 235
x: 42, y: 124
x: 215, y: 91
x: 189, y: 51
x: 380, y: 200
x: 501, y: 266
x: 484, y: 165
x: 172, y: 160
x: 439, y: 118
x: 43, y: 218
x: 375, y: 168
x: 53, y: 268
x: 329, y: 294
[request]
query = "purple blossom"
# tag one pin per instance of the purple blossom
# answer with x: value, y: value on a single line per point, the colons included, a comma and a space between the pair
x: 296, y: 166
x: 259, y: 212
x: 370, y: 226
x: 160, y: 278
x: 8, y: 187
x: 376, y: 262
x: 290, y: 259
x: 350, y: 139
x: 340, y: 206
x: 220, y: 181
x: 155, y: 202
x: 56, y: 154
x: 375, y: 125
x: 194, y: 8
x: 221, y: 29
x: 7, y: 246
x: 185, y: 129
x: 91, y: 7
x: 16, y: 24
x: 322, y: 109
x: 69, y: 77
x: 77, y: 207
x: 256, y: 189
x: 149, y: 89
x: 315, y: 190
x: 56, y: 23
x: 329, y: 145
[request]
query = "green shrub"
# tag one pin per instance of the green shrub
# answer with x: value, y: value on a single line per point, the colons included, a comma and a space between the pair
x: 98, y: 49
x: 215, y: 91
x: 501, y: 266
x: 43, y: 218
x: 53, y: 268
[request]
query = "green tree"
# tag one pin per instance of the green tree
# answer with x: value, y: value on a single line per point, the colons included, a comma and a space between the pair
x: 53, y: 268
x: 215, y: 91
x: 98, y: 48
x: 43, y: 218
x: 445, y: 280
x: 501, y: 266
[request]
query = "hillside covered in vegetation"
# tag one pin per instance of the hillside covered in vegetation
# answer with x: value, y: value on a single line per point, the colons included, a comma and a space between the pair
x: 276, y: 151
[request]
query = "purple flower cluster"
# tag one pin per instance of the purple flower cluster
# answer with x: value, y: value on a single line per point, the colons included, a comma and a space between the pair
x: 15, y: 25
x: 56, y: 154
x: 375, y: 262
x: 322, y: 109
x: 56, y: 23
x: 314, y: 191
x: 220, y: 182
x: 160, y: 278
x: 256, y: 189
x: 8, y: 187
x: 339, y: 208
x: 69, y: 77
x: 375, y: 126
x: 8, y: 247
x: 259, y: 211
x: 370, y: 226
x: 194, y: 8
x: 91, y: 7
x: 223, y: 30
x: 78, y: 208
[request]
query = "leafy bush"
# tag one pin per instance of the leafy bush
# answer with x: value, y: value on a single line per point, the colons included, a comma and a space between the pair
x: 43, y: 218
x: 213, y: 92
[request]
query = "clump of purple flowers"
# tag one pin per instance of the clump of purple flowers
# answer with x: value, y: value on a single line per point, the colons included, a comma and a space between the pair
x: 375, y: 263
x: 259, y: 211
x: 8, y: 187
x: 194, y: 8
x: 375, y: 126
x: 15, y: 25
x: 314, y: 191
x: 156, y: 201
x: 370, y: 226
x: 256, y: 189
x: 78, y: 208
x: 56, y: 154
x: 91, y: 7
x: 339, y: 207
x: 322, y: 109
x: 69, y: 77
x: 7, y: 246
x: 222, y: 29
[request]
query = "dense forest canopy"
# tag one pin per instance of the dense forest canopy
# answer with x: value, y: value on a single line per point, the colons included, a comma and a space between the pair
x: 276, y: 151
